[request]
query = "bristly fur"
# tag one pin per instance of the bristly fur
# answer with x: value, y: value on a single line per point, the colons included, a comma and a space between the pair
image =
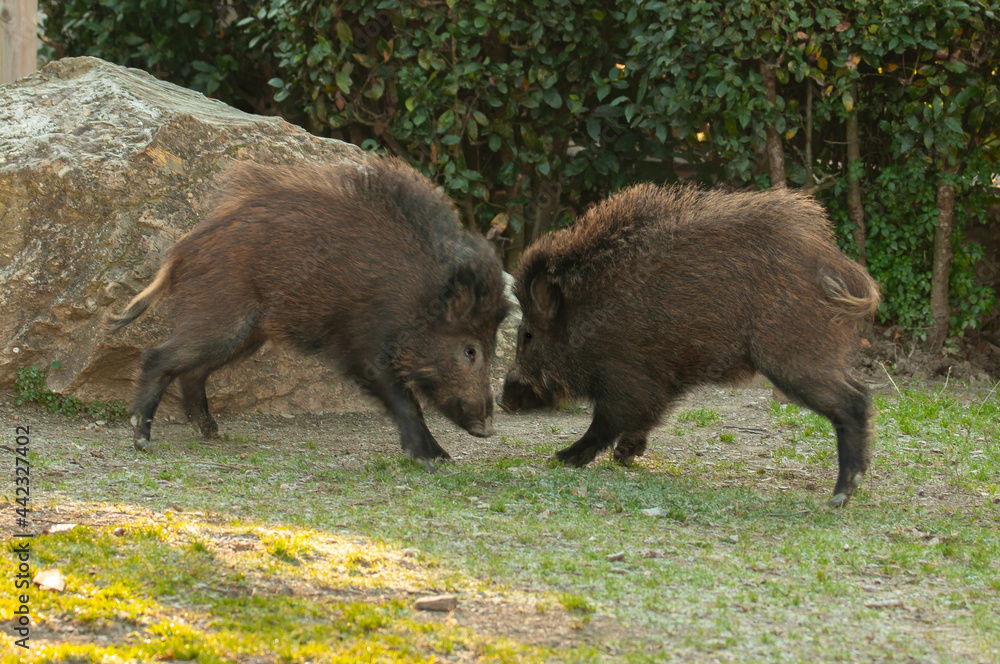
x: 364, y: 263
x: 644, y: 220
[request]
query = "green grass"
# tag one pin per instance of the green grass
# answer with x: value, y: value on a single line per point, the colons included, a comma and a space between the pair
x: 295, y: 557
x: 703, y: 417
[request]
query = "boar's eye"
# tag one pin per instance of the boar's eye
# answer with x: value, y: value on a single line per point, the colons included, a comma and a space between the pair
x: 470, y: 353
x: 527, y: 336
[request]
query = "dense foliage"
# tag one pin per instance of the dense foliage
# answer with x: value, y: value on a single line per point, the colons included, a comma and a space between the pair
x: 528, y: 111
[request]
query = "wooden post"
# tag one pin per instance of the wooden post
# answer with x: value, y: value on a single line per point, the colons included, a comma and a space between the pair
x: 18, y: 39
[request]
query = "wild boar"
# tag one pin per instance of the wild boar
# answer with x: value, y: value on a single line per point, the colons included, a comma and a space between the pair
x: 364, y: 265
x: 657, y: 290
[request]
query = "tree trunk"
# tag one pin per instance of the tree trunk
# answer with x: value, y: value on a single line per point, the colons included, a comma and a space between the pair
x: 810, y: 176
x: 942, y: 259
x: 513, y: 251
x: 544, y: 206
x: 775, y: 151
x: 18, y: 39
x: 855, y: 209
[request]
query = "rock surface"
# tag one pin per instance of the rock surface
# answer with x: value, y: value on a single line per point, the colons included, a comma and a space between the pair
x: 436, y: 603
x: 101, y: 169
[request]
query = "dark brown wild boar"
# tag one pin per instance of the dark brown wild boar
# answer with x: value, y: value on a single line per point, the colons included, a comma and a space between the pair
x: 365, y: 265
x: 657, y: 290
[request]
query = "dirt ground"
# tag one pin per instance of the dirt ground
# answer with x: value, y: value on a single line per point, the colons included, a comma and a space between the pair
x: 349, y: 440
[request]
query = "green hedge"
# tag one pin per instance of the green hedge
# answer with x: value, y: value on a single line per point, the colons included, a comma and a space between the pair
x: 526, y: 112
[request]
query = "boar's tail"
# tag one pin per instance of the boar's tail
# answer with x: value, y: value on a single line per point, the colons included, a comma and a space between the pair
x: 853, y: 295
x: 141, y: 302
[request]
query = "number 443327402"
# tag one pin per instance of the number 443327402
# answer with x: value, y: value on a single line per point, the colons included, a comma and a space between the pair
x: 22, y: 470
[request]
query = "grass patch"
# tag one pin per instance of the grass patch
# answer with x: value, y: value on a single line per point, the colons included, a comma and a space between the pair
x: 702, y: 417
x: 301, y: 557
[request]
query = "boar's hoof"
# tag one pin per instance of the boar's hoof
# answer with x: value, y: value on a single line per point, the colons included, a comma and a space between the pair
x: 838, y: 500
x: 208, y: 429
x: 483, y: 429
x: 427, y: 464
x: 139, y: 441
x: 504, y: 407
x: 625, y: 460
x: 629, y: 447
x: 577, y: 458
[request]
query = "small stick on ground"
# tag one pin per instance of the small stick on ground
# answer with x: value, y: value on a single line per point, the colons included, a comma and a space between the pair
x: 894, y: 386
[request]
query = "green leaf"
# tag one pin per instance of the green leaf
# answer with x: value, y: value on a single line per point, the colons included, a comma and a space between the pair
x: 552, y: 98
x: 445, y: 120
x: 494, y: 142
x: 848, y: 100
x: 190, y: 18
x: 594, y: 129
x: 937, y: 105
x: 376, y: 89
x: 344, y: 33
x: 276, y: 83
x: 344, y: 82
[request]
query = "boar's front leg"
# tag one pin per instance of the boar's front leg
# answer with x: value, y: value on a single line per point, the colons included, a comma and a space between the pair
x: 601, y: 435
x: 632, y: 444
x: 416, y: 439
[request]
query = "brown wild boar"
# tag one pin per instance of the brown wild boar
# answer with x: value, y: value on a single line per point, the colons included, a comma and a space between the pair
x: 657, y: 290
x: 364, y: 265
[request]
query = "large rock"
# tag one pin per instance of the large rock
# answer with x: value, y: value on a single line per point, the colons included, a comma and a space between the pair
x: 101, y: 169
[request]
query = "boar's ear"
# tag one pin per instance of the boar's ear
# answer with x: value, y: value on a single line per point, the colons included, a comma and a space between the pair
x: 545, y: 296
x: 459, y: 295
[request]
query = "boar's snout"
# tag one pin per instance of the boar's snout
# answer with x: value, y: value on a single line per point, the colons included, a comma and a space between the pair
x: 475, y: 417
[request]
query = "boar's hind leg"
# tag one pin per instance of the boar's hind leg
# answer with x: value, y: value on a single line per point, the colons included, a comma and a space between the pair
x: 196, y: 401
x: 632, y: 444
x: 192, y: 382
x: 416, y: 439
x: 190, y: 355
x: 844, y: 401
